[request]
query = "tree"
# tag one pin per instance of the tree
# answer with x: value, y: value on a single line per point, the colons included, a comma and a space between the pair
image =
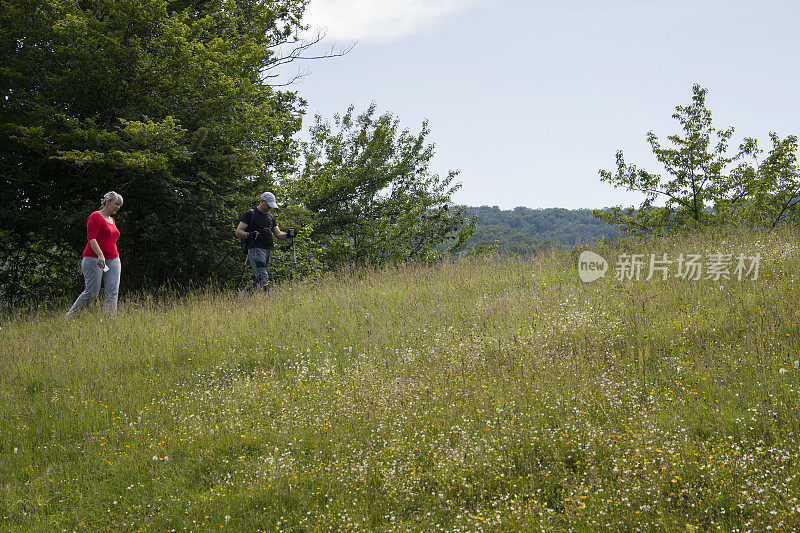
x: 368, y: 196
x: 163, y: 101
x: 696, y: 164
x: 703, y: 188
x: 769, y: 191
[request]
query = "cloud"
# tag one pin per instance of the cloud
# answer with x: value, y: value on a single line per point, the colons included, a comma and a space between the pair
x: 379, y: 20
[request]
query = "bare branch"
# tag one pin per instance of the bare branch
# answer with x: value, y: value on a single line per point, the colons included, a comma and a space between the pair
x: 298, y: 47
x: 298, y: 76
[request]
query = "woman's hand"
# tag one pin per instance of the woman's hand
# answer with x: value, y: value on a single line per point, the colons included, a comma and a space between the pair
x: 101, y: 259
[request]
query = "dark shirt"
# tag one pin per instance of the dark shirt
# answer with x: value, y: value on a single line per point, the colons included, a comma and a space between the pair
x: 263, y: 224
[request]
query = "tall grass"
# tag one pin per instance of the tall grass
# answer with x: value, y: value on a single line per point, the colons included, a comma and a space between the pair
x: 495, y: 393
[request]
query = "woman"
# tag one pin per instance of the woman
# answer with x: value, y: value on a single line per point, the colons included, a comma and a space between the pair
x: 100, y: 263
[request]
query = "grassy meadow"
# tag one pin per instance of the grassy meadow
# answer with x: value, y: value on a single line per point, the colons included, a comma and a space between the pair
x: 487, y: 394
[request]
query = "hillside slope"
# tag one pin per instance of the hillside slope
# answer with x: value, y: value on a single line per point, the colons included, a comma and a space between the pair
x: 487, y: 394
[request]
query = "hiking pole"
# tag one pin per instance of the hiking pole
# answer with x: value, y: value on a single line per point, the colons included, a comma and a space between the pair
x: 294, y: 253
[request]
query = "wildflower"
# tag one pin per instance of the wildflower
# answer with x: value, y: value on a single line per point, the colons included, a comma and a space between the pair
x: 782, y: 371
x: 155, y: 458
x: 797, y: 364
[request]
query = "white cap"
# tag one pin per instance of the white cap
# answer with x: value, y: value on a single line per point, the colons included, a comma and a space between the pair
x: 270, y: 199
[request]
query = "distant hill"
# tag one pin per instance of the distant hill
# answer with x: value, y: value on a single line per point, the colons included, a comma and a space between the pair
x: 522, y: 230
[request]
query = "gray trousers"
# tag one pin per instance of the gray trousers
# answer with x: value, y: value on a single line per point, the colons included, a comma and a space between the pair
x: 93, y: 277
x: 259, y: 261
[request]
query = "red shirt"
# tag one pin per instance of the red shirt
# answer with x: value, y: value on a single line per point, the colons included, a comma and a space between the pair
x: 106, y: 234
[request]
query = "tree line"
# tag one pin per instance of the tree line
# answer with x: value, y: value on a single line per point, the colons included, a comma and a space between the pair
x: 523, y: 230
x: 170, y: 103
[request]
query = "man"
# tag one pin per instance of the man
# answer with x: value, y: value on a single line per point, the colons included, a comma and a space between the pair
x: 258, y: 226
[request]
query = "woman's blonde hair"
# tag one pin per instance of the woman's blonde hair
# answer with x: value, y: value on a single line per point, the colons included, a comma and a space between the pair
x: 110, y: 196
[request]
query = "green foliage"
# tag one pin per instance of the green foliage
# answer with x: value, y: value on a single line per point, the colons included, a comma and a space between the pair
x: 161, y: 101
x: 32, y: 275
x: 766, y: 193
x: 367, y: 196
x: 524, y: 230
x: 701, y: 187
x: 500, y: 239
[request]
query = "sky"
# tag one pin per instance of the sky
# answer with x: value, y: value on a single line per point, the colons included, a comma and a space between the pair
x: 530, y: 99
